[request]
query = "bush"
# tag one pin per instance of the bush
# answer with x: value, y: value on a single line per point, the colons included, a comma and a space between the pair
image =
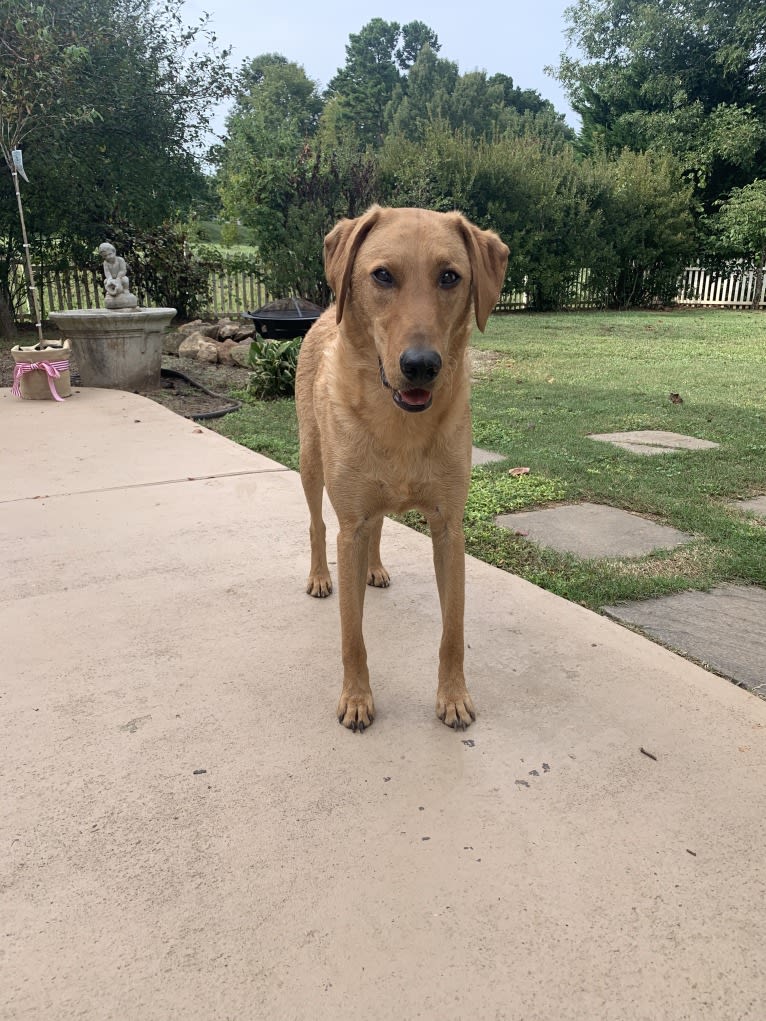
x: 274, y: 364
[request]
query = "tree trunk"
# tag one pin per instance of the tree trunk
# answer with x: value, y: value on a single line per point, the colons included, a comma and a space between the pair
x: 758, y: 284
x: 7, y: 323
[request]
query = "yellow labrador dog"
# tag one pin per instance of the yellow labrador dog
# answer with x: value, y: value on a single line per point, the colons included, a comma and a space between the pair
x: 382, y: 396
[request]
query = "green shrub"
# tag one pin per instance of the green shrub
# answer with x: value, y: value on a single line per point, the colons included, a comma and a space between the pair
x: 273, y: 363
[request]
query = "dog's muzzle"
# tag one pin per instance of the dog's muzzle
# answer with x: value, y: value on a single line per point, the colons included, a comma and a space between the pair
x: 419, y: 367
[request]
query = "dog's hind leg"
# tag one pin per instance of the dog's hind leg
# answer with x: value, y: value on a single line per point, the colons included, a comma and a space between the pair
x: 319, y: 583
x: 377, y: 575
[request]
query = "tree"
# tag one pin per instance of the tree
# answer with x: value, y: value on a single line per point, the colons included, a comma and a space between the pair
x: 626, y: 220
x: 685, y: 77
x: 487, y: 106
x: 276, y: 111
x: 647, y: 230
x: 277, y: 94
x: 116, y: 117
x: 741, y: 225
x: 365, y: 85
x: 38, y: 62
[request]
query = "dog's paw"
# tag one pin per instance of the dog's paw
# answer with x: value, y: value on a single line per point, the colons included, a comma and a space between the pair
x: 457, y: 712
x: 356, y: 712
x: 378, y: 577
x: 319, y: 585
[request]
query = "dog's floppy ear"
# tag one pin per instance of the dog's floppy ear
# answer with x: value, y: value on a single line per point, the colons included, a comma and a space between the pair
x: 489, y: 260
x: 340, y: 249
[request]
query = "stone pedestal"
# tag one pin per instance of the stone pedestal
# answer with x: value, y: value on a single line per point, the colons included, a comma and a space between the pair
x: 119, y: 350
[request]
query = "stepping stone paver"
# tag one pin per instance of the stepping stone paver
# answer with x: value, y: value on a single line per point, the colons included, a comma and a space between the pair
x: 592, y: 530
x: 756, y: 506
x: 653, y: 441
x: 723, y: 629
x: 479, y: 456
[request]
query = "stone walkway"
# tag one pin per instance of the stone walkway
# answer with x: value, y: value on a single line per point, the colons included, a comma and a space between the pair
x: 722, y: 629
x: 593, y: 530
x: 649, y: 442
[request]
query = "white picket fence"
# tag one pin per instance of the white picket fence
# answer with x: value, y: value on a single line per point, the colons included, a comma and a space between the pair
x: 699, y: 286
x: 231, y: 293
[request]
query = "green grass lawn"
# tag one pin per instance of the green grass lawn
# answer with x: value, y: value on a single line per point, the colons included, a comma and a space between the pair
x: 543, y: 382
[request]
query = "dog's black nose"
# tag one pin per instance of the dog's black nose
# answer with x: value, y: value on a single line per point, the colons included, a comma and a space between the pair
x: 420, y: 365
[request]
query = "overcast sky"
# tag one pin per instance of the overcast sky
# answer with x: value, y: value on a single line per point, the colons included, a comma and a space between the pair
x: 515, y: 37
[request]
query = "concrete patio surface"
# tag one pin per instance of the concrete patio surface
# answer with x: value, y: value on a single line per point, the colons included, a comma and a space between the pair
x: 188, y: 833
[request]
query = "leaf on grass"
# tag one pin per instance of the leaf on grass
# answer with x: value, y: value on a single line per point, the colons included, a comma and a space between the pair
x: 518, y: 471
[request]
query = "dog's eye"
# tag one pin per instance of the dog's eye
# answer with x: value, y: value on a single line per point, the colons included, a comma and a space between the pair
x: 383, y: 277
x: 449, y: 278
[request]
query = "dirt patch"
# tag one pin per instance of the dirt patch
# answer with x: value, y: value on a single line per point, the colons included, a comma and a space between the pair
x: 484, y: 362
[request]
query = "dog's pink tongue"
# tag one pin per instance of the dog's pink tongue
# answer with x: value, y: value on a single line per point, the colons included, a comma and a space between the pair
x: 416, y: 397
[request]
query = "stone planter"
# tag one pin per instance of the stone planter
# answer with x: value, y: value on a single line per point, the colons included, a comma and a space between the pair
x: 42, y: 375
x: 119, y: 350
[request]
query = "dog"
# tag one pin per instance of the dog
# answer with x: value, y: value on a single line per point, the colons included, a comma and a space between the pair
x: 382, y: 396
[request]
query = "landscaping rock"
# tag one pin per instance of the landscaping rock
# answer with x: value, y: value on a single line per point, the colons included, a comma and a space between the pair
x: 171, y: 342
x: 245, y: 331
x: 193, y: 327
x: 225, y: 349
x: 190, y: 345
x: 227, y: 330
x: 208, y: 352
x: 240, y: 355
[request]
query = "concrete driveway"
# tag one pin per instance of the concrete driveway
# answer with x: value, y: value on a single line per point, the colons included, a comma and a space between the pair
x: 187, y: 833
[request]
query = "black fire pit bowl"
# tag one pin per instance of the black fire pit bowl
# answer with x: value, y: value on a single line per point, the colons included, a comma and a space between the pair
x: 285, y: 319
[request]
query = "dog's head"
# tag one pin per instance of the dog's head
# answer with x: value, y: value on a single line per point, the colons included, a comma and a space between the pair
x: 405, y: 281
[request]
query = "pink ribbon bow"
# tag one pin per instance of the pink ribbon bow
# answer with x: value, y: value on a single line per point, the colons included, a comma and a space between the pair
x: 52, y: 370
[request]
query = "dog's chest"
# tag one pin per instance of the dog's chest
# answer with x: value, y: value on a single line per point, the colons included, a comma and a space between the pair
x: 409, y: 479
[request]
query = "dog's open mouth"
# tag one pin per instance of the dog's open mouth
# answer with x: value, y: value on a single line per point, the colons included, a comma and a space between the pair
x: 416, y: 399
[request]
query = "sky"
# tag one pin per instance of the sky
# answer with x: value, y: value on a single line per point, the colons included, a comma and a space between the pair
x: 515, y: 37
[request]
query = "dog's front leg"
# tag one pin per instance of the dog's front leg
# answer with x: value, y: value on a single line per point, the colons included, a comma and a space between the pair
x: 453, y: 703
x: 356, y: 709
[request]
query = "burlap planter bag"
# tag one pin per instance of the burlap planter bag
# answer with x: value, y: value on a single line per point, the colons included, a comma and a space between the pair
x: 47, y: 378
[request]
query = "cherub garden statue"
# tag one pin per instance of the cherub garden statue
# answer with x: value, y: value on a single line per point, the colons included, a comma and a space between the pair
x: 116, y: 283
